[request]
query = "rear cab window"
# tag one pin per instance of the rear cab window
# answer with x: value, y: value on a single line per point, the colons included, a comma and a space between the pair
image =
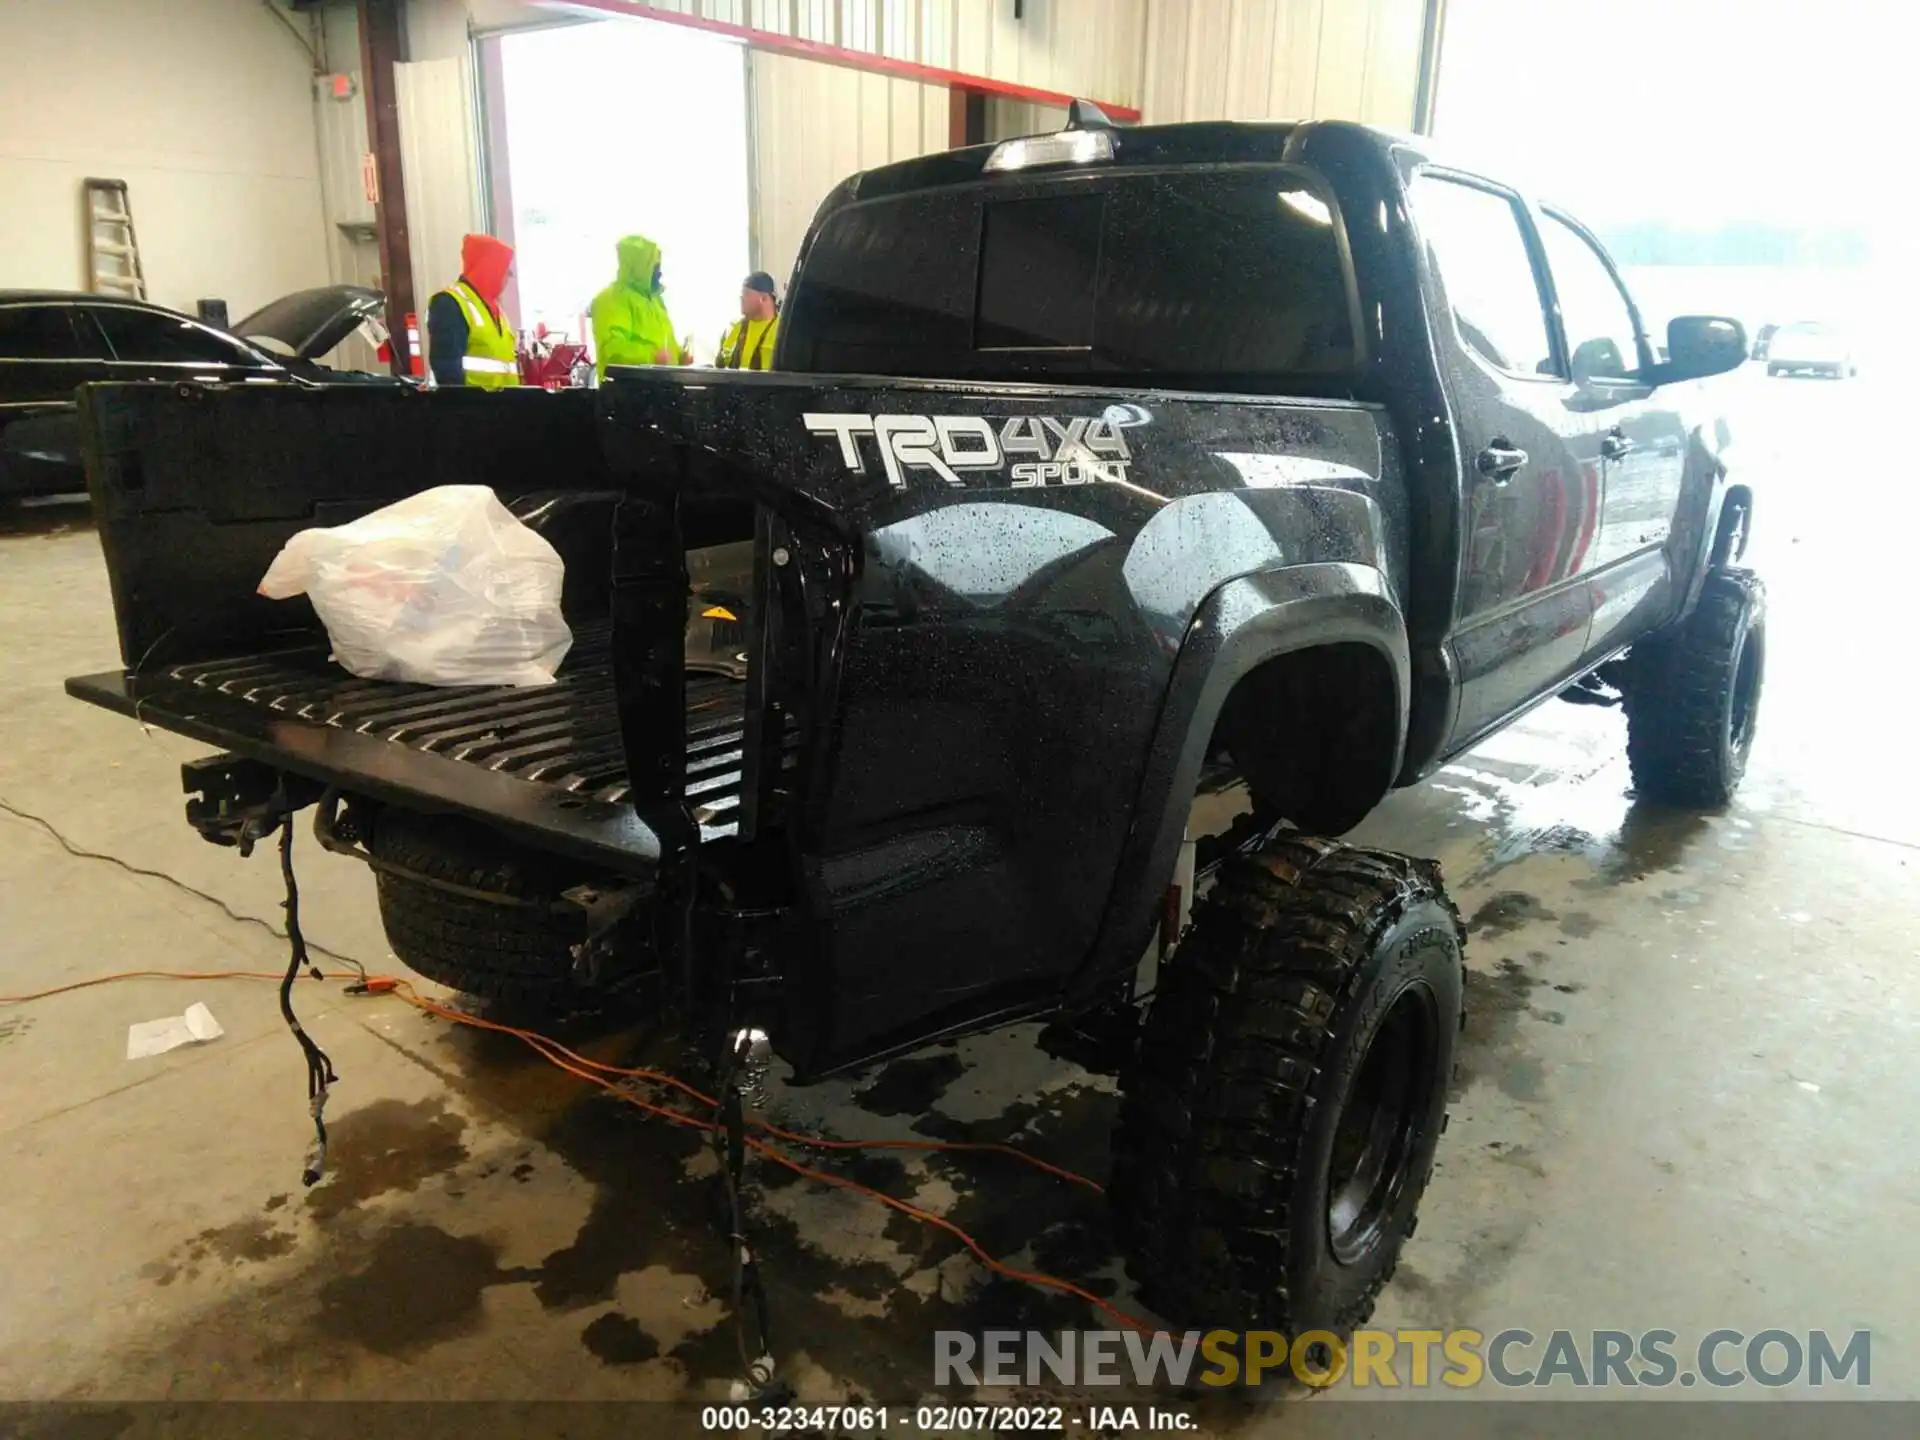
x: 1235, y: 279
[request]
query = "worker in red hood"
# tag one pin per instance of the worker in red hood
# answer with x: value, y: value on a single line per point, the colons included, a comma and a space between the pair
x: 469, y: 340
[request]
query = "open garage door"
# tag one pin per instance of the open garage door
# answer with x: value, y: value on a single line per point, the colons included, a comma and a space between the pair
x: 615, y: 128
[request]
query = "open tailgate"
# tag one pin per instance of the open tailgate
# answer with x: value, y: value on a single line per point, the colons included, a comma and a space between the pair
x: 196, y: 489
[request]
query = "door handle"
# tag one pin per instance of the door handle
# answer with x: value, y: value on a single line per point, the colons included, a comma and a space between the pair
x: 1615, y: 445
x: 1500, y: 460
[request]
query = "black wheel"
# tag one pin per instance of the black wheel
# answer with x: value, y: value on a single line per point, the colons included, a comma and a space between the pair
x: 1693, y: 696
x: 519, y: 953
x: 1278, y: 1128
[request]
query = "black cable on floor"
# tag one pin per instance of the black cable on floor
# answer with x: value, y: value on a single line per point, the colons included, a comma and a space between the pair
x: 320, y: 1073
x: 81, y: 853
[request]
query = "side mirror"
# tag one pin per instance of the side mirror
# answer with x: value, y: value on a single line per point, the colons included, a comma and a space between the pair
x: 1701, y: 345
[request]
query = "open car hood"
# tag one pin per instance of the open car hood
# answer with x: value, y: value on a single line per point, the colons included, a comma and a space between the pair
x: 312, y: 322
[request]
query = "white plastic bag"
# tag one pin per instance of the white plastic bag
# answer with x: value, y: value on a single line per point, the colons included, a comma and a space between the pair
x: 446, y: 587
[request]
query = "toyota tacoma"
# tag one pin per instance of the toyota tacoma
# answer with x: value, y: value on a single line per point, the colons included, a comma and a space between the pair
x: 1099, y: 471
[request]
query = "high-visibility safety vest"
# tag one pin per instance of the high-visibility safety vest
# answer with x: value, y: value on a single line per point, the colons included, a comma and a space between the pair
x: 748, y: 345
x: 490, y: 362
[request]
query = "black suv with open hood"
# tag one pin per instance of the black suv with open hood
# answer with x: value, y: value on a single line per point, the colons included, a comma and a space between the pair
x: 52, y: 341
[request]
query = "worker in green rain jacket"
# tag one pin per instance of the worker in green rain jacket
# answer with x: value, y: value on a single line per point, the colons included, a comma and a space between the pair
x: 630, y: 321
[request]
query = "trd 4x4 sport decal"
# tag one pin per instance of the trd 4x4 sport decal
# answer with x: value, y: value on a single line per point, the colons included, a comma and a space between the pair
x: 1027, y: 449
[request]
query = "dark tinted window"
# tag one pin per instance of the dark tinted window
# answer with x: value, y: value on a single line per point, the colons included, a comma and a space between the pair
x: 1038, y: 262
x: 36, y: 332
x: 1233, y: 280
x: 886, y: 285
x: 143, y: 336
x: 1224, y: 276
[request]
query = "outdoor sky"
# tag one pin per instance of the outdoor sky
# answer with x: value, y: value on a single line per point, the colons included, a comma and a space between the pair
x: 1692, y: 111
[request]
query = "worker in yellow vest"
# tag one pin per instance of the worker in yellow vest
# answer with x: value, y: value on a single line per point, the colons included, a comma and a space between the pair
x: 469, y: 341
x: 748, y: 343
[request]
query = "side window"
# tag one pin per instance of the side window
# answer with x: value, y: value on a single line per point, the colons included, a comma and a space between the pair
x: 93, y: 342
x: 147, y: 337
x: 37, y: 332
x: 1602, y: 342
x: 1475, y: 241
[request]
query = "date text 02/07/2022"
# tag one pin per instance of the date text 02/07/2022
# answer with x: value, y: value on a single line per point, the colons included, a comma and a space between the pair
x: 941, y: 1419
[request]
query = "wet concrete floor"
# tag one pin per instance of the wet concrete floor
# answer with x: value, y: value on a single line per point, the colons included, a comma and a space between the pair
x: 1686, y: 1099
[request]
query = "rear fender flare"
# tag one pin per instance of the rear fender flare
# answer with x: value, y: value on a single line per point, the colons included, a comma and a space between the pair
x: 1239, y: 626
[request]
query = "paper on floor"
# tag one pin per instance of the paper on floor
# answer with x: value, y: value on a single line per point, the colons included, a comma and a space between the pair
x: 156, y: 1037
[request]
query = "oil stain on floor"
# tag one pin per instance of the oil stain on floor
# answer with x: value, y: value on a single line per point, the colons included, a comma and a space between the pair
x: 910, y: 1086
x: 416, y: 1287
x: 388, y: 1147
x: 250, y: 1241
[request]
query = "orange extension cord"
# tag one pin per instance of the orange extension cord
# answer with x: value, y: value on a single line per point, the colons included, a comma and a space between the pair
x: 597, y: 1072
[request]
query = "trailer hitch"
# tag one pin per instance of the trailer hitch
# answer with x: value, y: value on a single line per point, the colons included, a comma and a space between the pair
x: 237, y: 802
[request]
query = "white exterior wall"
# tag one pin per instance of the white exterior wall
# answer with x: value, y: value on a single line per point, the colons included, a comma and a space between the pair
x: 204, y: 107
x: 1283, y: 60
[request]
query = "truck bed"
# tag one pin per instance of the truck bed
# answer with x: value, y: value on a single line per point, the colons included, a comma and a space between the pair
x: 544, y: 762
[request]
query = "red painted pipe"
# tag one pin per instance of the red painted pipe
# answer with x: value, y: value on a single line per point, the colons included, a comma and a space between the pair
x: 839, y: 55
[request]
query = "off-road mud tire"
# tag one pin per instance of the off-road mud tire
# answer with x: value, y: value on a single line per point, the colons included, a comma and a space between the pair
x: 1693, y: 697
x: 1297, y: 960
x: 518, y: 954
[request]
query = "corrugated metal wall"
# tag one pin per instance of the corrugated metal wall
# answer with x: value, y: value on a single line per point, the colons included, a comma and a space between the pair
x: 1283, y: 59
x: 437, y: 155
x: 812, y: 126
x: 353, y: 251
x: 1008, y: 119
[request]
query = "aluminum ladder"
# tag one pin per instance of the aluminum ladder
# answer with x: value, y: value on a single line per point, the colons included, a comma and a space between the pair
x: 113, y: 255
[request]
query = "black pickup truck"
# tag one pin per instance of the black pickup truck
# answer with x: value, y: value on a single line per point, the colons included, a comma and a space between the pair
x: 1100, y: 470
